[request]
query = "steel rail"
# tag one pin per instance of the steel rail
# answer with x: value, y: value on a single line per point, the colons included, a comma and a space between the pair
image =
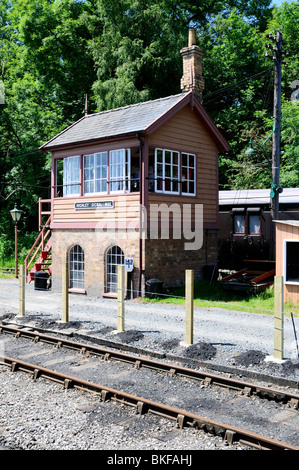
x: 182, y: 418
x: 208, y: 378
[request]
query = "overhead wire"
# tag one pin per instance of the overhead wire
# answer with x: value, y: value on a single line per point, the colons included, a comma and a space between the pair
x: 234, y: 85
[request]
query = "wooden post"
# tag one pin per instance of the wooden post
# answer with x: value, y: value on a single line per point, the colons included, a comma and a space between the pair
x: 278, y: 317
x: 65, y: 291
x: 120, y: 298
x: 22, y: 291
x: 189, y: 297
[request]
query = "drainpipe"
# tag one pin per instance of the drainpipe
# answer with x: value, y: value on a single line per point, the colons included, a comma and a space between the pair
x: 141, y: 141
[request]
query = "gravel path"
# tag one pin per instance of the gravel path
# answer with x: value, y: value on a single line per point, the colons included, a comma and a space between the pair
x: 222, y: 337
x: 231, y: 332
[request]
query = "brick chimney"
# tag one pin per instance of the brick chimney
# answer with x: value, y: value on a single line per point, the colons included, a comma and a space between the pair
x: 192, y: 67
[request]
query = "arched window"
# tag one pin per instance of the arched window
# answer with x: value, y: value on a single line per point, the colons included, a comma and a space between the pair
x: 114, y: 257
x: 76, y: 267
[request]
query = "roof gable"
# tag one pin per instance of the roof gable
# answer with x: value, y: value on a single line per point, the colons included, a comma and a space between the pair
x: 143, y: 117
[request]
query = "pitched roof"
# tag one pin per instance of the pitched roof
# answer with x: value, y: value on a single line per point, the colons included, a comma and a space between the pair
x: 141, y: 117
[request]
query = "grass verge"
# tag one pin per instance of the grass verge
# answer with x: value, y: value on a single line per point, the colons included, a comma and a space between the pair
x: 212, y: 295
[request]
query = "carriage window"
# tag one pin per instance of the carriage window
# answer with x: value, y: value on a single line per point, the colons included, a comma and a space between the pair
x: 254, y: 225
x: 291, y: 261
x: 239, y: 224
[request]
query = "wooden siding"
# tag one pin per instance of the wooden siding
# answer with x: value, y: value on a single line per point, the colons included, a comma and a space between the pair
x: 94, y: 148
x: 125, y: 211
x: 184, y: 132
x: 286, y: 232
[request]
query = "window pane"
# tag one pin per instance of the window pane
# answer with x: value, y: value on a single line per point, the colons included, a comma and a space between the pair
x: 114, y: 257
x: 175, y: 158
x: 254, y: 224
x: 76, y: 267
x: 71, y: 176
x: 188, y: 174
x: 119, y: 170
x: 239, y: 224
x: 95, y: 173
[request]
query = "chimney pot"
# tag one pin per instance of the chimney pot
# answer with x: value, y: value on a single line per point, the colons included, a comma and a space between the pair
x: 192, y: 37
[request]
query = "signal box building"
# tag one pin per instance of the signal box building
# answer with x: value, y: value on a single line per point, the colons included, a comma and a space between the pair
x: 138, y: 186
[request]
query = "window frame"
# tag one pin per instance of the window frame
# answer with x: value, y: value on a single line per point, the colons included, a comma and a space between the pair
x: 259, y: 225
x: 72, y: 182
x: 125, y: 178
x: 71, y: 255
x: 285, y: 264
x: 243, y: 215
x: 188, y: 167
x: 94, y: 179
x: 116, y: 177
x: 111, y: 286
x: 165, y: 178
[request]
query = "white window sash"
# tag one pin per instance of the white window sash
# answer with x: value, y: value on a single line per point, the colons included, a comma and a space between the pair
x: 165, y: 178
x: 90, y: 164
x: 71, y: 176
x: 119, y: 170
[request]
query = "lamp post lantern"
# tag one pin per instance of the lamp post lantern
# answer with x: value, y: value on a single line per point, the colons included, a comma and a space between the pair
x: 16, y: 215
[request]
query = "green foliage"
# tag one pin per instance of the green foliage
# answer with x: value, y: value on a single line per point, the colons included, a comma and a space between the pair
x: 54, y: 52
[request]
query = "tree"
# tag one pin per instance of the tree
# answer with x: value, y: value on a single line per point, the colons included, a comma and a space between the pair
x: 237, y: 84
x: 54, y: 52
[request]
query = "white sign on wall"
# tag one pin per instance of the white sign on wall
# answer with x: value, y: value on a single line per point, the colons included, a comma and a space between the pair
x: 129, y: 264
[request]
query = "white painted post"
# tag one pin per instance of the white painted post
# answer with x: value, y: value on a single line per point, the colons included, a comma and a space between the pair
x: 189, y: 298
x: 120, y: 298
x: 278, y: 317
x: 22, y: 291
x: 65, y: 291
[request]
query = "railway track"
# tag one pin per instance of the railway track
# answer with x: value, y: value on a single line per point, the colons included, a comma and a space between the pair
x: 208, y: 378
x: 182, y: 418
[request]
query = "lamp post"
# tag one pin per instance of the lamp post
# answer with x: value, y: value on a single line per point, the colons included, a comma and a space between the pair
x: 16, y: 215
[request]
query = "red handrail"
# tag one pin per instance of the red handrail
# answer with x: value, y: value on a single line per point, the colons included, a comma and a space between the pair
x: 43, y: 235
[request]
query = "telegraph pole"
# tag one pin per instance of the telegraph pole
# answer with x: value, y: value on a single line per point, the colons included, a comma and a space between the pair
x: 277, y: 56
x: 276, y: 53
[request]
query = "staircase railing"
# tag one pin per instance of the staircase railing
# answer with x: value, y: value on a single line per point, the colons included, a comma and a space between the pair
x: 37, y: 247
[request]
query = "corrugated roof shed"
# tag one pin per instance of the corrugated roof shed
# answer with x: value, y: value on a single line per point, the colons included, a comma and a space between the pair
x: 257, y: 196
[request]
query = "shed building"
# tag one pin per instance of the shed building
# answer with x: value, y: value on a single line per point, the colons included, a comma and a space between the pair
x: 287, y: 257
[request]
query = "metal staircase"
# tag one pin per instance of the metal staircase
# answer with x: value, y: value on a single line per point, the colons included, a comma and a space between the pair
x: 39, y: 257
